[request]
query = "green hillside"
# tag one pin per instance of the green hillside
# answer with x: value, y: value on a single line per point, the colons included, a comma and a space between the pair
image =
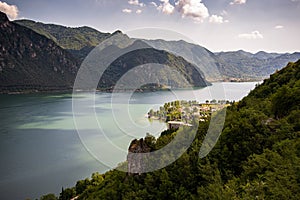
x: 79, y: 41
x: 256, y: 157
x: 185, y: 73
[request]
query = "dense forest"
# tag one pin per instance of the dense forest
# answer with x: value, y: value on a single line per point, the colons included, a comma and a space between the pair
x: 256, y: 157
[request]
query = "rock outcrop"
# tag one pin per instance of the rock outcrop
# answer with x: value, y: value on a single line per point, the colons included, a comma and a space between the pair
x: 137, y: 156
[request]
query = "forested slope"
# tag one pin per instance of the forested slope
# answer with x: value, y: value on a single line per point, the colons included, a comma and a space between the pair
x: 256, y: 157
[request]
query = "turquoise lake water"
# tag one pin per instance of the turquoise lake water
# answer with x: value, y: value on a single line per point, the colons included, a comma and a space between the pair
x: 41, y: 150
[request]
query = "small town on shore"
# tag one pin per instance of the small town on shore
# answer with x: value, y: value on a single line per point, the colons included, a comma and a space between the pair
x: 182, y: 113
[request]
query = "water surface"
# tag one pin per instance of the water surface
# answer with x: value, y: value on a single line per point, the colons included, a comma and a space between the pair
x: 41, y: 151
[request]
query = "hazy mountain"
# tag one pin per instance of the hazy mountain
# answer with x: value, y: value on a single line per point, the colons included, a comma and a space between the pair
x: 200, y: 56
x: 265, y: 55
x: 30, y: 61
x: 233, y: 65
x: 258, y: 65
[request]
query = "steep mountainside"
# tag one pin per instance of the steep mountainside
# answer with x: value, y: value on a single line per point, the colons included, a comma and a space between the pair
x: 30, y: 61
x: 256, y: 157
x: 79, y: 41
x: 200, y: 56
x: 144, y: 65
x: 235, y: 65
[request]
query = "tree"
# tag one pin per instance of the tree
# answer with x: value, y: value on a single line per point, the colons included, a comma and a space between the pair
x: 82, y: 185
x: 49, y: 197
x: 67, y: 194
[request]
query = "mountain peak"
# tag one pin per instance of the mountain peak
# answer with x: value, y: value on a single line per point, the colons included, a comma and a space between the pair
x: 117, y: 32
x: 3, y: 17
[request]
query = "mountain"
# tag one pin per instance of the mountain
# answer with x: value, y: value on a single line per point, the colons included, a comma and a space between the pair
x: 134, y: 63
x: 158, y: 59
x: 256, y: 157
x: 258, y: 65
x: 264, y: 55
x: 205, y: 60
x: 78, y: 41
x: 222, y: 66
x: 234, y: 65
x: 30, y: 61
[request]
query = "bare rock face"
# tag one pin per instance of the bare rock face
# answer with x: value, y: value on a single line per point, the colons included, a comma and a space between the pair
x: 137, y: 156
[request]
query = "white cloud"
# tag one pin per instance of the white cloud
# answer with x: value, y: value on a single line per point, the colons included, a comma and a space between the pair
x: 217, y: 19
x: 126, y: 10
x: 138, y: 11
x: 153, y: 4
x: 194, y: 9
x: 224, y: 12
x: 166, y: 7
x: 11, y: 10
x: 238, y: 2
x: 252, y: 35
x: 136, y: 3
x: 278, y: 27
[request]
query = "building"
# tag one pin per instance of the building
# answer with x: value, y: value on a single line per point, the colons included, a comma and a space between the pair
x: 176, y: 124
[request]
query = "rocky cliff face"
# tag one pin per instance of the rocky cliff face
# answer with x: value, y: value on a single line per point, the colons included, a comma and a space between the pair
x: 30, y: 61
x: 137, y: 156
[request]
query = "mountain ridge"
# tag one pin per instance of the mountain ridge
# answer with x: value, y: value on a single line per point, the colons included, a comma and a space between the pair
x: 31, y: 62
x: 218, y: 66
x: 77, y: 40
x: 228, y: 66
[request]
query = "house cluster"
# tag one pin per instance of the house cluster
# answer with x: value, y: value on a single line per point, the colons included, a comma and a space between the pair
x: 182, y: 113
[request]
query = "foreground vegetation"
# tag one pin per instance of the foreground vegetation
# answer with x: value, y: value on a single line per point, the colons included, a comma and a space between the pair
x: 256, y: 157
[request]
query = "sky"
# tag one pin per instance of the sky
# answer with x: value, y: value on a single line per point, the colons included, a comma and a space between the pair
x: 218, y: 25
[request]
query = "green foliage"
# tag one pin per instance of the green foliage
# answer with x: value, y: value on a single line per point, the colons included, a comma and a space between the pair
x: 178, y: 74
x: 256, y: 157
x: 67, y: 194
x: 78, y: 41
x: 66, y: 37
x: 49, y: 197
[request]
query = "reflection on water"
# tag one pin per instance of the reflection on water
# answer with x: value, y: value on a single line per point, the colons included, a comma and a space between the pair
x: 40, y: 148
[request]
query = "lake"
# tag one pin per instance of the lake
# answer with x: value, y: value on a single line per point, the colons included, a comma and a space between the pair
x: 42, y: 151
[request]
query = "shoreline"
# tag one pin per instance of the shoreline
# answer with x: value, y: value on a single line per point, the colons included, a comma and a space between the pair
x: 106, y: 90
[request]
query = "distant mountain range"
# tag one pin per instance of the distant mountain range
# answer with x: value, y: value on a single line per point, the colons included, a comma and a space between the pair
x: 261, y: 64
x: 46, y: 57
x: 227, y: 66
